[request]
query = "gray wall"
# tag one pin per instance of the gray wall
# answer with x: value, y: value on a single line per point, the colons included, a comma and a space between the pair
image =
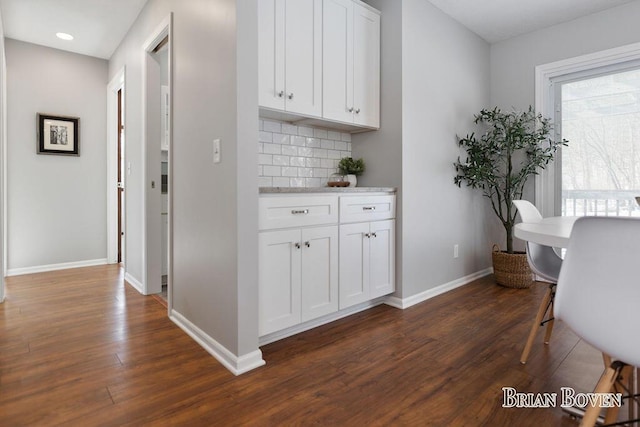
x: 3, y: 129
x: 56, y: 204
x: 214, y: 207
x: 513, y: 61
x: 435, y: 76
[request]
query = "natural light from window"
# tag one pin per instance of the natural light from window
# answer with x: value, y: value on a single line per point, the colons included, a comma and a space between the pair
x: 601, y: 164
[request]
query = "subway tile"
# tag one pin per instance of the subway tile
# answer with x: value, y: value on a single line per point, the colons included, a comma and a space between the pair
x: 305, y: 172
x: 328, y: 163
x: 260, y: 147
x: 312, y: 162
x: 280, y: 182
x: 288, y: 150
x: 281, y: 160
x: 260, y: 124
x: 332, y: 154
x: 296, y: 182
x: 320, y: 133
x: 265, y: 181
x: 312, y: 182
x: 265, y: 159
x: 289, y: 171
x: 320, y: 153
x: 339, y: 145
x: 297, y: 161
x: 313, y: 142
x: 279, y: 138
x: 305, y: 131
x: 298, y: 140
x: 272, y: 148
x: 265, y: 136
x: 349, y: 148
x: 320, y: 172
x: 346, y: 137
x: 260, y: 170
x: 336, y: 136
x: 272, y: 171
x: 289, y: 129
x: 306, y: 152
x: 271, y: 126
x: 323, y: 182
x: 327, y: 144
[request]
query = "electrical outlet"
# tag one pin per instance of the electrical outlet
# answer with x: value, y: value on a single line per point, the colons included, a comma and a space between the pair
x: 216, y: 151
x: 455, y: 250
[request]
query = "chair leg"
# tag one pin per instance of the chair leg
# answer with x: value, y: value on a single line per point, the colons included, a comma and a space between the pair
x: 536, y: 324
x: 547, y: 334
x: 605, y: 385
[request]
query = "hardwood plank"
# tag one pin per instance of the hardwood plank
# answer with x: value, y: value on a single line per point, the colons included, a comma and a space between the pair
x: 79, y: 347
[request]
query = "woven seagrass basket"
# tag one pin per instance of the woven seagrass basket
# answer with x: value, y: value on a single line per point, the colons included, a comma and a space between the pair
x: 511, y: 270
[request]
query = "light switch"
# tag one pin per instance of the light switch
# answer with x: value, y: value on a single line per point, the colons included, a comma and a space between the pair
x: 216, y: 150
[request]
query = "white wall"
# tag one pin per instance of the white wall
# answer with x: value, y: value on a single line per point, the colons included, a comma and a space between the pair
x: 3, y: 132
x: 445, y: 81
x: 214, y: 207
x: 56, y: 204
x: 435, y: 76
x: 513, y: 61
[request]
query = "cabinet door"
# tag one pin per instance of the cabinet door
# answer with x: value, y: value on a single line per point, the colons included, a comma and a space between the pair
x: 366, y: 67
x: 271, y: 35
x: 354, y: 264
x: 319, y: 271
x: 382, y: 258
x: 279, y: 280
x: 303, y: 57
x: 337, y: 61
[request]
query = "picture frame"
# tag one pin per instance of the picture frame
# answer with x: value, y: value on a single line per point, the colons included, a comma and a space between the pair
x: 58, y: 135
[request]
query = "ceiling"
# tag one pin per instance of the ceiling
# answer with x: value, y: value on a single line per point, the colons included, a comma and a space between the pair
x: 496, y: 20
x: 97, y: 25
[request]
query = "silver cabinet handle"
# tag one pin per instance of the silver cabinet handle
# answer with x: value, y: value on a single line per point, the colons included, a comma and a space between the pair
x: 374, y: 235
x: 367, y: 235
x: 280, y: 94
x: 351, y: 110
x: 296, y: 245
x: 307, y: 244
x: 357, y: 111
x: 368, y: 208
x: 300, y: 211
x: 290, y: 95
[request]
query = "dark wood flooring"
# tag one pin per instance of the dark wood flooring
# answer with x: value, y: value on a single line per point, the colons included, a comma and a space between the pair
x: 81, y: 348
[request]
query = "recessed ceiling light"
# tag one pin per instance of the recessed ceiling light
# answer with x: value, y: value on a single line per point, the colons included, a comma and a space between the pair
x: 64, y: 36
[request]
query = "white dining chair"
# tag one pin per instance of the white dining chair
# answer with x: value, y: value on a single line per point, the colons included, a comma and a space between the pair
x: 598, y: 296
x: 546, y: 264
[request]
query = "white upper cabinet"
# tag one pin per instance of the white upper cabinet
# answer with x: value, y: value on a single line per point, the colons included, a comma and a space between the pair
x: 351, y: 63
x: 290, y: 56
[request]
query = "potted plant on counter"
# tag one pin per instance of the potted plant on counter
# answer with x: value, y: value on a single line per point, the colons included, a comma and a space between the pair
x: 351, y: 169
x: 515, y: 146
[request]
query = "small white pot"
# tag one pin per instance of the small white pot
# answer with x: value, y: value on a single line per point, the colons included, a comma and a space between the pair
x: 353, y: 180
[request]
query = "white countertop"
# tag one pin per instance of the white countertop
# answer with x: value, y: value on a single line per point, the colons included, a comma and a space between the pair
x: 304, y: 190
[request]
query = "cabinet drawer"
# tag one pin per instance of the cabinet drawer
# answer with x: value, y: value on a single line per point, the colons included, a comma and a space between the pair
x: 367, y: 208
x: 285, y: 212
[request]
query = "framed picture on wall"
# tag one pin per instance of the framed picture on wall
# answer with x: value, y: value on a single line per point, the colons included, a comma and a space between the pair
x: 58, y: 135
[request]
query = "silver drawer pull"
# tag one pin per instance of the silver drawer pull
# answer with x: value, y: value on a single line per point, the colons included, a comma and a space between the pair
x: 368, y: 208
x: 300, y: 211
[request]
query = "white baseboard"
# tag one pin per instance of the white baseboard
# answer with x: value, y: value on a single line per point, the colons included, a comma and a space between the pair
x: 54, y: 267
x: 275, y: 336
x: 135, y: 283
x: 236, y: 364
x: 403, y: 303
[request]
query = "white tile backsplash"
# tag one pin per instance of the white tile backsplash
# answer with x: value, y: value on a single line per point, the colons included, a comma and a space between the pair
x: 298, y: 156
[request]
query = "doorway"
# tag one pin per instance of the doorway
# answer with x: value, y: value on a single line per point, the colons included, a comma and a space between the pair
x: 116, y: 176
x: 120, y: 156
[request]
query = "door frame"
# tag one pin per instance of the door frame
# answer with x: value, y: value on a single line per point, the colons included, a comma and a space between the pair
x: 151, y: 219
x: 116, y: 84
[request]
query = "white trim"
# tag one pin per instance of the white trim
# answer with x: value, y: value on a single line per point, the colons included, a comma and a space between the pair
x: 403, y: 303
x: 4, y: 263
x: 302, y: 327
x: 544, y: 198
x: 134, y: 283
x: 54, y: 267
x: 236, y: 364
x: 114, y: 85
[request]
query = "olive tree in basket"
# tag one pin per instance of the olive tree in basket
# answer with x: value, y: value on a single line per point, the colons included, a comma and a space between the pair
x: 514, y: 146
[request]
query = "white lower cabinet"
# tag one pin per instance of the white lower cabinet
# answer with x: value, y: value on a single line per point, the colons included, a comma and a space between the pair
x: 298, y: 276
x: 320, y: 254
x: 367, y: 261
